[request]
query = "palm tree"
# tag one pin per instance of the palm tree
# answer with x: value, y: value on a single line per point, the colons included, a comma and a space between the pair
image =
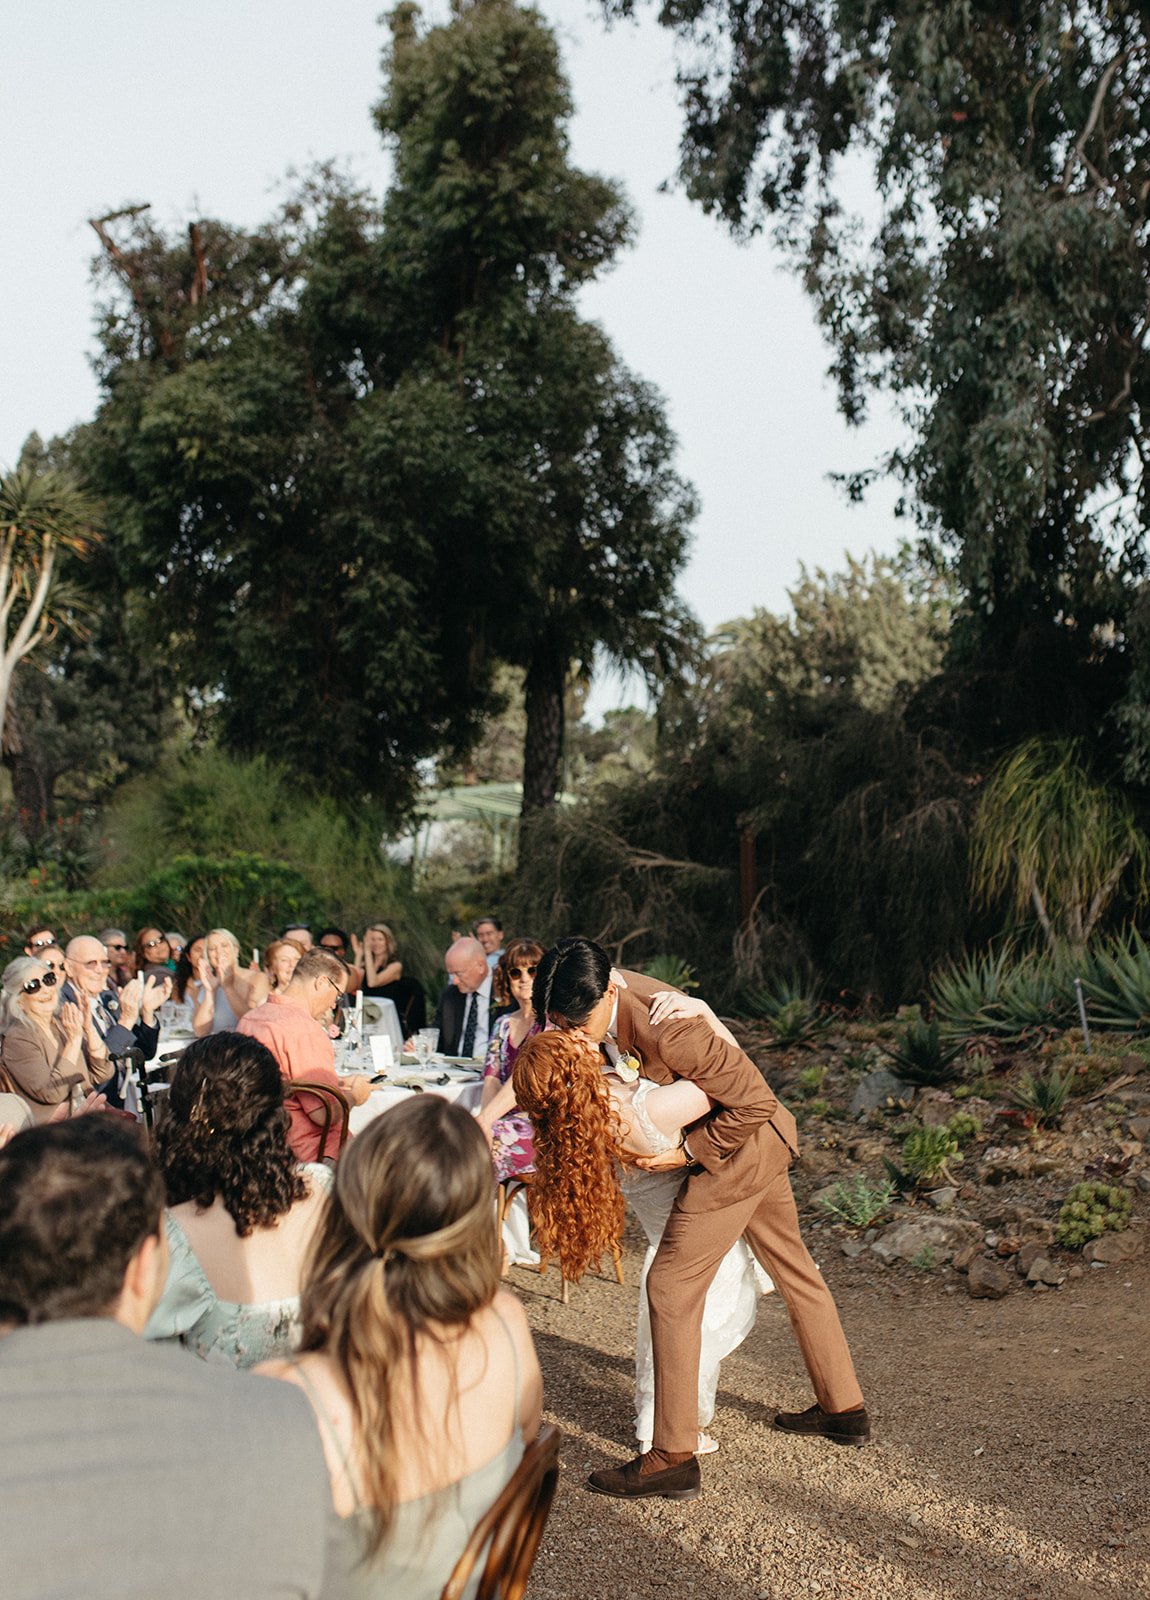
x: 1051, y: 840
x: 44, y: 512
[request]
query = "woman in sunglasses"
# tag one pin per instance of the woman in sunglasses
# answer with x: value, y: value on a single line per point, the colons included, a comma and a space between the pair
x: 42, y: 1048
x: 508, y: 1130
x: 151, y: 949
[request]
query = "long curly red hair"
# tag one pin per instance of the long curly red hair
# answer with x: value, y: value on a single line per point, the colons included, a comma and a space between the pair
x: 577, y: 1204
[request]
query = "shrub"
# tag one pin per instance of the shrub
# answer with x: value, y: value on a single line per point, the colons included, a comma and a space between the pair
x: 1089, y: 1210
x: 927, y: 1151
x: 857, y: 1200
x: 790, y: 1008
x: 963, y: 1127
x: 250, y: 895
x: 921, y: 1056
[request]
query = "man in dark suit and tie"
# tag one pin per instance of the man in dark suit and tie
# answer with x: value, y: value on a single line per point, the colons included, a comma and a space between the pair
x: 466, y: 1011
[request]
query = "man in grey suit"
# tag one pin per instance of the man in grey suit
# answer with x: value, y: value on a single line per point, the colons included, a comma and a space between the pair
x: 128, y: 1471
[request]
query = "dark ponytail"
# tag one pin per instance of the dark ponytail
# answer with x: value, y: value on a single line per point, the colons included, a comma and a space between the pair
x: 572, y: 979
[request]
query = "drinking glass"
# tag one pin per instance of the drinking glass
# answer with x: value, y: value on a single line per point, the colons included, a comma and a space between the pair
x: 426, y: 1043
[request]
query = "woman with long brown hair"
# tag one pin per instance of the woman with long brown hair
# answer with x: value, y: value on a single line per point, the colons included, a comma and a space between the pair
x: 421, y: 1371
x: 593, y: 1121
x: 504, y: 1124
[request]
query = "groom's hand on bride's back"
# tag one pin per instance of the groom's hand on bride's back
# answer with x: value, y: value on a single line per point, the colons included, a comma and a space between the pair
x: 666, y: 1162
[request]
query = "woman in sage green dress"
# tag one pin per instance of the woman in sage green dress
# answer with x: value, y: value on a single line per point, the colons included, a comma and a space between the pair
x: 241, y: 1210
x: 420, y: 1370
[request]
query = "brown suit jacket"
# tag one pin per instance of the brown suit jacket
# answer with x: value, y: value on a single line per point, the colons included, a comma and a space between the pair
x: 733, y: 1137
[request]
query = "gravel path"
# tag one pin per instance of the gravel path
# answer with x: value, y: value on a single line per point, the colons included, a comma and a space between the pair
x: 1011, y: 1449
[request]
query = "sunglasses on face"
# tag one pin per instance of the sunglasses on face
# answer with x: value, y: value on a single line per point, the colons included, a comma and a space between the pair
x: 34, y: 985
x: 149, y: 944
x: 324, y: 945
x: 42, y: 944
x: 523, y: 972
x: 114, y: 946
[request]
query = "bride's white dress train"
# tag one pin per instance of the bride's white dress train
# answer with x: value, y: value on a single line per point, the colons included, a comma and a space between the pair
x: 729, y: 1312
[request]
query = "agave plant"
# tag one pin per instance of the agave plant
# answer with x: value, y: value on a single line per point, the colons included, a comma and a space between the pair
x: 922, y: 1056
x: 1043, y: 1095
x: 965, y: 994
x: 1119, y: 985
x: 1008, y: 994
x: 673, y: 971
x: 791, y: 1009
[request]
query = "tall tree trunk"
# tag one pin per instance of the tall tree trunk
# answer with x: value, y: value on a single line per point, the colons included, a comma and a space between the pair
x: 543, y: 744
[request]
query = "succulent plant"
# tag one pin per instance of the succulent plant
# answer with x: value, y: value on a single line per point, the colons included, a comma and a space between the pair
x: 927, y: 1151
x: 1089, y: 1210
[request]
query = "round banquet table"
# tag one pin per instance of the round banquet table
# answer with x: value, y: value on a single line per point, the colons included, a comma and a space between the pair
x: 464, y: 1092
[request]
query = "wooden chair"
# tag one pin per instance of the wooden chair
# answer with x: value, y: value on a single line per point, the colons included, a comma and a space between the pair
x: 334, y: 1106
x: 510, y: 1531
x: 507, y: 1189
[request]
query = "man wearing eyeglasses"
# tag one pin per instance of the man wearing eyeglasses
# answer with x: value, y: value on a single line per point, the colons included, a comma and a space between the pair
x: 289, y: 1023
x: 120, y: 1022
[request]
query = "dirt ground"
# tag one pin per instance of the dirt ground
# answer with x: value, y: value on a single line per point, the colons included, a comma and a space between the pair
x: 1011, y: 1451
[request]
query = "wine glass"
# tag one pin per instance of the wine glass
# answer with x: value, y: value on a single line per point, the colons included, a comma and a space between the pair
x: 426, y: 1043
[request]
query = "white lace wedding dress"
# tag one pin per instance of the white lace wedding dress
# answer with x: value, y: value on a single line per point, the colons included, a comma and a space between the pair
x: 729, y: 1312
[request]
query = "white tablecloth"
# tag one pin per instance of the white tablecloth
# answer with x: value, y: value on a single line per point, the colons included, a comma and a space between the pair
x: 464, y: 1093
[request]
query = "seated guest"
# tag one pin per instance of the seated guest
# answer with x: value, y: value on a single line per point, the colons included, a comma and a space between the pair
x: 120, y: 967
x: 467, y: 1010
x: 187, y: 988
x: 298, y: 932
x: 280, y: 961
x: 241, y: 1211
x: 335, y: 940
x: 38, y: 940
x: 509, y: 1130
x: 121, y: 1020
x: 383, y: 976
x: 489, y: 931
x: 421, y: 1371
x: 93, y: 1421
x: 176, y: 943
x: 42, y: 1048
x: 53, y: 958
x: 150, y: 948
x: 289, y: 1024
x: 227, y: 991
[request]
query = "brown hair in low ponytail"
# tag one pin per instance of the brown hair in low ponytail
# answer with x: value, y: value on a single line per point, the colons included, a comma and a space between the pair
x: 409, y: 1241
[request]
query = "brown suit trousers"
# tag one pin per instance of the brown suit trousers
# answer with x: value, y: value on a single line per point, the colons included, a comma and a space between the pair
x: 744, y: 1146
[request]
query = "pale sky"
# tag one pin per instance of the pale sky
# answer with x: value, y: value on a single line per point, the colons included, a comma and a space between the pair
x: 204, y: 110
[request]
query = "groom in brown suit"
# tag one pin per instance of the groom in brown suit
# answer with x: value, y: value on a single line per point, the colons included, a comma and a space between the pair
x: 735, y: 1164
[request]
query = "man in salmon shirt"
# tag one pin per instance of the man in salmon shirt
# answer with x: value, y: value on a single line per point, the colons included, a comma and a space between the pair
x: 289, y: 1024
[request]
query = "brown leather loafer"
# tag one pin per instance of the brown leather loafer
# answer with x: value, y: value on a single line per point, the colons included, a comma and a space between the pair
x: 627, y: 1483
x: 841, y: 1427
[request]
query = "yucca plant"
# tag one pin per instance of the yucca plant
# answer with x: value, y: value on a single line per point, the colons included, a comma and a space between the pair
x: 857, y: 1200
x: 922, y: 1056
x: 1044, y: 1095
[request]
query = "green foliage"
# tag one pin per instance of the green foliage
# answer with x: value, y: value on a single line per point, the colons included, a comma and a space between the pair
x: 857, y: 1200
x: 1119, y: 984
x: 1044, y: 1095
x: 926, y: 1151
x: 249, y: 894
x: 66, y: 912
x: 1006, y: 993
x: 963, y: 1127
x: 811, y: 1079
x: 791, y: 1008
x: 1090, y: 1209
x: 671, y: 970
x: 922, y: 1056
x: 1050, y: 841
x: 924, y: 1260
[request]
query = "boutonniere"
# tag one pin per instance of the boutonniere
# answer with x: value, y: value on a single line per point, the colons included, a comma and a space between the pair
x: 627, y: 1067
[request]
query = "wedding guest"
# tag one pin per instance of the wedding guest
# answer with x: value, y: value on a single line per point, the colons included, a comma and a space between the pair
x: 42, y: 1050
x: 336, y: 940
x: 241, y: 1210
x: 421, y: 1372
x: 467, y: 1011
x: 384, y: 976
x: 508, y: 1129
x: 121, y: 1022
x: 94, y: 1422
x: 227, y: 989
x: 176, y: 943
x: 489, y: 931
x: 120, y: 966
x: 53, y: 958
x: 289, y: 1024
x: 150, y: 949
x: 187, y: 988
x: 38, y: 940
x: 300, y: 933
x: 280, y: 961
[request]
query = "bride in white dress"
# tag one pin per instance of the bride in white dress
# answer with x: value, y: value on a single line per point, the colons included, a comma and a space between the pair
x: 593, y: 1119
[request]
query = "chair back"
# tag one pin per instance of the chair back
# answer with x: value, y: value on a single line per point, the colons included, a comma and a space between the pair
x: 510, y: 1531
x: 335, y: 1109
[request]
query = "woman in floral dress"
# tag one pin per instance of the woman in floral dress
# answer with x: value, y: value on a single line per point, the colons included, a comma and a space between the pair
x: 507, y: 1129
